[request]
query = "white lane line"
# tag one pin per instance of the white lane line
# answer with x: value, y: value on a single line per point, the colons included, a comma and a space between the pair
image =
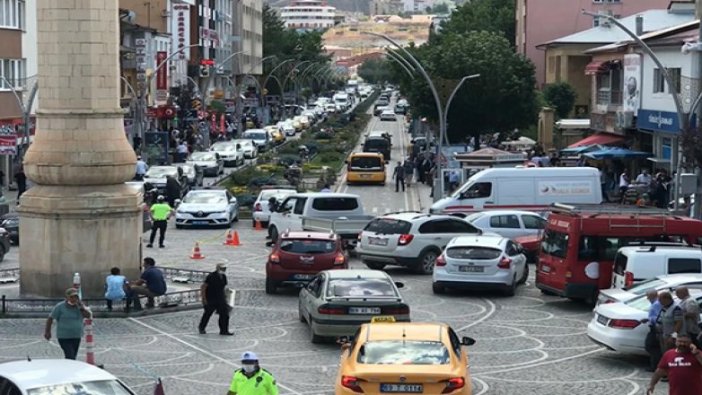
x: 481, y: 319
x: 202, y: 350
x: 484, y: 386
x: 559, y: 360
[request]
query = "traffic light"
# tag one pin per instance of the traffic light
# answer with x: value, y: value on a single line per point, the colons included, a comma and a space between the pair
x: 204, y: 71
x: 196, y: 104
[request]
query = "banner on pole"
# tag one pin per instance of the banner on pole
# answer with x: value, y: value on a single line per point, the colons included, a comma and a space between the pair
x: 162, y: 73
x: 8, y: 140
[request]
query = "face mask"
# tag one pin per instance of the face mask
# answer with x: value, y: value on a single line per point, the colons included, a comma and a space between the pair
x: 248, y: 367
x: 222, y: 271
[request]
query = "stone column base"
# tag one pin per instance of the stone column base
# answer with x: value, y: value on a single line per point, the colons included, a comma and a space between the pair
x: 84, y: 229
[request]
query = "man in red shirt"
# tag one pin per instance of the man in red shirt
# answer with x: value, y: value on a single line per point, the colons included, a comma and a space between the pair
x: 683, y: 366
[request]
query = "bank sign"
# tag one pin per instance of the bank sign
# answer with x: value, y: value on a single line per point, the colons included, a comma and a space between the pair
x: 658, y: 121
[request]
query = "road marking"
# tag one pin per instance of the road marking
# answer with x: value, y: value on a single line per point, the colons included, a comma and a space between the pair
x: 481, y: 319
x: 201, y: 350
x: 544, y: 363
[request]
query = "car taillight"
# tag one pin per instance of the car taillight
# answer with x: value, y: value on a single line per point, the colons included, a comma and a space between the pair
x: 505, y: 263
x: 340, y: 259
x: 628, y: 279
x: 274, y: 258
x: 258, y: 207
x: 396, y: 310
x: 624, y: 324
x: 440, y: 260
x: 331, y: 310
x: 454, y: 384
x: 404, y: 240
x: 351, y: 383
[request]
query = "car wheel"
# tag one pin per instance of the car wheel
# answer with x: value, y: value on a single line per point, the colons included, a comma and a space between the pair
x: 2, y: 253
x: 253, y: 224
x: 314, y: 338
x: 426, y: 262
x: 438, y: 288
x: 300, y: 316
x: 271, y: 286
x: 525, y: 276
x: 179, y: 226
x: 512, y: 288
x: 273, y: 233
x: 375, y: 265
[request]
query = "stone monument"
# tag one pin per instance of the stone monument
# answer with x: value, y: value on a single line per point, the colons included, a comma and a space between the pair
x: 79, y: 216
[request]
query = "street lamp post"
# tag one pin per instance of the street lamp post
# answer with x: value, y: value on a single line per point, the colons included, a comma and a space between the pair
x: 216, y: 67
x: 26, y: 112
x: 394, y: 58
x: 287, y: 77
x: 265, y: 80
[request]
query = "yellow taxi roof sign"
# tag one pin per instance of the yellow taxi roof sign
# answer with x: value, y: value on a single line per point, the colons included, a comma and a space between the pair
x: 382, y: 318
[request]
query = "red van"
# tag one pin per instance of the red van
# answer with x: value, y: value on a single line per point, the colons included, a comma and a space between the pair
x: 579, y: 244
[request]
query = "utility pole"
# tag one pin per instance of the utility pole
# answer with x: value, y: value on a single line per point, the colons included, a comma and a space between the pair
x: 698, y: 76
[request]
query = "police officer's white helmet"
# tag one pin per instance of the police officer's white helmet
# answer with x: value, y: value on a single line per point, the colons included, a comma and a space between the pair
x: 160, y: 198
x: 249, y: 356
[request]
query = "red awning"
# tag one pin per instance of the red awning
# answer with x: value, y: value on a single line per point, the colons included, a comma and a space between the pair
x: 598, y: 138
x: 599, y: 67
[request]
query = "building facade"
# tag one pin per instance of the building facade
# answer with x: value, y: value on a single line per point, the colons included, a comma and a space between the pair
x: 386, y: 7
x: 306, y: 15
x: 13, y: 63
x: 565, y: 17
x: 248, y: 37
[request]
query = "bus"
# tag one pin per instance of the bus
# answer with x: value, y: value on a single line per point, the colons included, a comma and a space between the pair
x: 579, y: 244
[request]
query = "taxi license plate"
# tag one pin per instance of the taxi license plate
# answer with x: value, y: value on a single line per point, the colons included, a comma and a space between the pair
x: 471, y: 269
x: 383, y: 318
x: 364, y: 310
x: 403, y: 388
x: 378, y: 241
x: 303, y: 276
x: 200, y: 222
x: 365, y: 176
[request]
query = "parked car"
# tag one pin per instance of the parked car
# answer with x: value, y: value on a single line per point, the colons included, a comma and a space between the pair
x: 660, y: 283
x: 287, y: 128
x: 508, y: 223
x: 635, y: 264
x: 10, y: 222
x: 298, y: 256
x: 207, y: 207
x: 330, y: 108
x: 260, y: 137
x: 231, y: 152
x: 194, y: 175
x: 412, y: 357
x: 156, y: 177
x: 248, y: 148
x: 210, y: 162
x: 480, y: 262
x: 277, y: 136
x: 261, y: 208
x: 336, y: 302
x: 409, y: 239
x: 58, y: 376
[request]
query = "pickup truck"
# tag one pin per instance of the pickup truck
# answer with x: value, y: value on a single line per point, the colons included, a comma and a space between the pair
x: 340, y: 213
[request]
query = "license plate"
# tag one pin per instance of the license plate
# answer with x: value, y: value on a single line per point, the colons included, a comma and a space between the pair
x: 365, y: 175
x: 303, y: 276
x: 200, y: 222
x: 602, y: 319
x: 364, y: 310
x: 383, y: 318
x: 545, y: 268
x: 411, y: 388
x: 377, y: 241
x: 471, y: 269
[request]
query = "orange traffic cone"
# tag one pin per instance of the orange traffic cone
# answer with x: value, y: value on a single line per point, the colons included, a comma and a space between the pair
x: 235, y: 239
x: 258, y: 225
x: 196, y: 252
x: 229, y: 241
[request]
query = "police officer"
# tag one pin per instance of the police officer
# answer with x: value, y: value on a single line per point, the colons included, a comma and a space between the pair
x: 251, y: 379
x: 160, y: 212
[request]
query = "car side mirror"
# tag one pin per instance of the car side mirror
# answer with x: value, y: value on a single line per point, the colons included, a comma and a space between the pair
x: 399, y: 284
x: 467, y: 341
x: 232, y: 200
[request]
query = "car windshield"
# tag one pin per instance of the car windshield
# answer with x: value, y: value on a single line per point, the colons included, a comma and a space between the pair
x: 278, y: 195
x: 352, y: 287
x: 376, y: 143
x: 307, y: 246
x: 473, y: 253
x: 205, y: 198
x: 202, y: 156
x: 388, y: 226
x: 403, y: 352
x: 366, y: 163
x: 641, y: 303
x: 643, y: 287
x: 555, y: 243
x: 222, y: 147
x: 105, y: 387
x: 255, y: 136
x: 474, y: 217
x: 161, y: 172
x: 188, y: 171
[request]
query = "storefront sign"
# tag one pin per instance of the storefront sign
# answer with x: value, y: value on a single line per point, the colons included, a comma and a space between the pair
x: 8, y: 140
x: 658, y: 121
x: 565, y: 188
x: 632, y: 82
x: 162, y: 73
x: 181, y: 29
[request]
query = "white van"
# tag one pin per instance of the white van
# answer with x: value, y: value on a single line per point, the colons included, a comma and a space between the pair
x: 530, y: 189
x: 633, y: 265
x: 342, y: 100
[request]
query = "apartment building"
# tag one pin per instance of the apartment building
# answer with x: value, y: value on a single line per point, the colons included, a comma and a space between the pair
x: 248, y: 36
x: 13, y: 63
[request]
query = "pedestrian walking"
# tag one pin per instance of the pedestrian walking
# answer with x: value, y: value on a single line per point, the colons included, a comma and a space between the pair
x: 399, y: 175
x: 21, y: 180
x: 173, y: 189
x: 691, y: 314
x: 252, y: 379
x: 160, y: 213
x: 670, y: 321
x: 409, y: 171
x: 327, y: 188
x: 213, y: 294
x: 151, y: 284
x: 116, y: 287
x: 182, y: 151
x: 652, y: 344
x: 683, y: 367
x: 141, y: 168
x: 69, y: 315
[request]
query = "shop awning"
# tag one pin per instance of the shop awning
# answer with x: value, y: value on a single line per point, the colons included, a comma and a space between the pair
x: 597, y: 67
x: 599, y: 138
x: 582, y: 149
x: 617, y: 153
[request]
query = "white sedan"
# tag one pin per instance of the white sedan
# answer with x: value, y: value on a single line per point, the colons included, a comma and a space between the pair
x: 207, y: 207
x: 666, y: 282
x: 508, y: 223
x: 229, y: 152
x: 388, y: 115
x: 247, y: 147
x: 211, y: 163
x: 58, y: 376
x: 619, y: 327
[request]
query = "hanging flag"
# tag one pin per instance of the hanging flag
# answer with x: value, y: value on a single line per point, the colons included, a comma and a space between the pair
x: 159, y: 388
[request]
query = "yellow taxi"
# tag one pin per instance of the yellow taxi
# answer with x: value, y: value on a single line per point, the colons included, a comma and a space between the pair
x: 277, y: 135
x: 385, y: 357
x: 365, y: 167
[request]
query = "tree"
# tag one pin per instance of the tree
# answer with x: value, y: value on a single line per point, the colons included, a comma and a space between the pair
x: 488, y: 15
x: 440, y: 9
x: 374, y: 71
x: 561, y: 96
x: 501, y: 99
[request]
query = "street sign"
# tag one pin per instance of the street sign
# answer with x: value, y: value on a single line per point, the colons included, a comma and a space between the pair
x: 161, y: 95
x: 207, y: 62
x: 8, y: 140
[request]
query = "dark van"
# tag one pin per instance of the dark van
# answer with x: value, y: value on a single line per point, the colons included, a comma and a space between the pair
x: 377, y: 144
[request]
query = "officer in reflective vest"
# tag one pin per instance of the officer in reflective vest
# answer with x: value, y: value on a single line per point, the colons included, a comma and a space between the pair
x: 251, y: 379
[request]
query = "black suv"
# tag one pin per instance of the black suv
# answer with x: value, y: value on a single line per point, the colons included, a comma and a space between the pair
x: 377, y: 144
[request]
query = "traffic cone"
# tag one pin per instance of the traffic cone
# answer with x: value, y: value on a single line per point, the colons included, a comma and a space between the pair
x: 196, y: 252
x: 258, y: 225
x: 235, y: 239
x: 229, y: 241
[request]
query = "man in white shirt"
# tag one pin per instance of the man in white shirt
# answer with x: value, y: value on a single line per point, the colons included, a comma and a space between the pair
x: 141, y: 168
x: 182, y: 151
x: 643, y: 178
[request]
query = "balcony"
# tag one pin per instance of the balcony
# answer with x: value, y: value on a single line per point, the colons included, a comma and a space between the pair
x: 609, y: 98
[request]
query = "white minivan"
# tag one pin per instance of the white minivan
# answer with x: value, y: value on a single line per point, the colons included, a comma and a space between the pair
x: 531, y: 189
x: 635, y: 264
